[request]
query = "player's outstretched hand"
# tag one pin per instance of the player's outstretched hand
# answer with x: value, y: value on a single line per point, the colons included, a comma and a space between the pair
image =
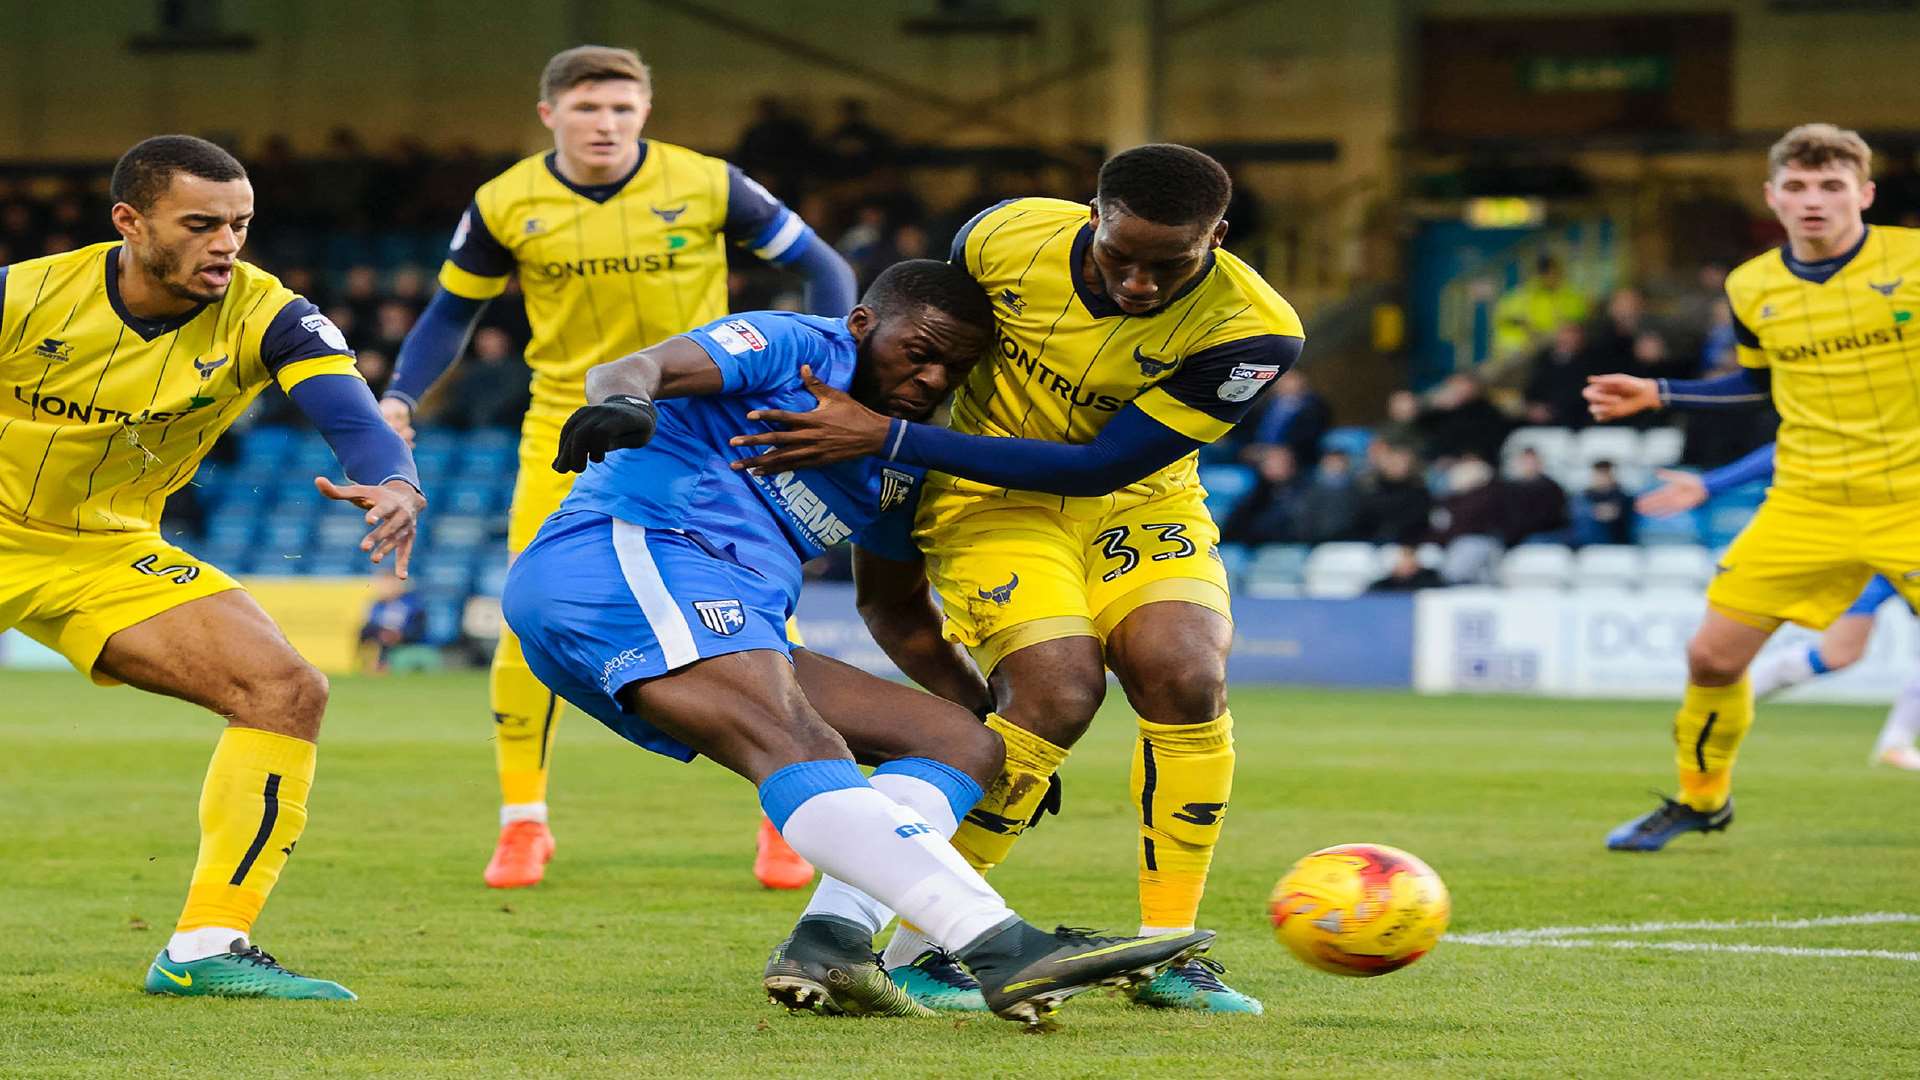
x: 838, y: 429
x: 1678, y: 492
x: 393, y: 509
x: 594, y: 431
x: 1610, y: 397
x: 399, y: 416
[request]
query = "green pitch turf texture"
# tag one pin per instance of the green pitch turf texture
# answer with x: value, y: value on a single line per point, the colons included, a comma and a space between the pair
x: 641, y: 953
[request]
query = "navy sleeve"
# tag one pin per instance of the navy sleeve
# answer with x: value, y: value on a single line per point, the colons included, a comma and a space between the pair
x: 474, y: 248
x: 1227, y: 380
x: 3, y: 292
x: 890, y: 535
x: 1755, y: 466
x: 957, y: 251
x: 1748, y: 386
x: 761, y: 223
x: 433, y: 345
x: 1742, y: 333
x: 343, y: 409
x: 831, y: 286
x: 1132, y: 446
x: 300, y: 332
x: 758, y: 350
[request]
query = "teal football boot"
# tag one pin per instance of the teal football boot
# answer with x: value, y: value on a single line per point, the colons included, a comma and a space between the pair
x: 936, y: 980
x: 245, y: 971
x: 1196, y: 985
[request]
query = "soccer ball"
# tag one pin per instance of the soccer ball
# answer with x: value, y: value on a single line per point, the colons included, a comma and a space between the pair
x: 1359, y: 909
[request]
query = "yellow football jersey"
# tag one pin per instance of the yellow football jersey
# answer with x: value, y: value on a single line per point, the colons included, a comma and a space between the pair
x: 105, y: 413
x: 1842, y: 344
x: 612, y: 269
x: 1068, y: 359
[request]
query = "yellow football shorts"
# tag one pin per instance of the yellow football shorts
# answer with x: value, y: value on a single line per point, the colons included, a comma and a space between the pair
x: 1016, y: 573
x: 1804, y: 561
x: 71, y: 593
x: 537, y: 490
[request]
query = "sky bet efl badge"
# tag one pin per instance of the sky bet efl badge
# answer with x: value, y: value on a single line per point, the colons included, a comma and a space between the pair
x: 1246, y: 380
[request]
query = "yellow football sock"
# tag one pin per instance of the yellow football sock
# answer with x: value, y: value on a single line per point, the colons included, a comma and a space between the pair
x: 525, y: 716
x: 1182, y: 778
x: 253, y: 808
x: 1706, y: 738
x: 1001, y: 815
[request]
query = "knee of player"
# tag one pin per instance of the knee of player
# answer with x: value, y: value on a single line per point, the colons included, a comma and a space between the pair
x: 1843, y: 653
x: 1181, y: 693
x: 1059, y: 711
x: 980, y: 754
x: 287, y: 696
x: 1710, y: 665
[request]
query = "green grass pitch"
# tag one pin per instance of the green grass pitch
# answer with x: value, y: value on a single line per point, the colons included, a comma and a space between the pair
x: 641, y: 954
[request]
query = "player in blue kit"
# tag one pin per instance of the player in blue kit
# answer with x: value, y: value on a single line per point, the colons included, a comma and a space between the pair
x: 656, y: 600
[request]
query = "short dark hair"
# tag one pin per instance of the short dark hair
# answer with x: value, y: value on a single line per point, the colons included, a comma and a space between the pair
x: 1167, y: 184
x: 930, y: 283
x: 142, y: 174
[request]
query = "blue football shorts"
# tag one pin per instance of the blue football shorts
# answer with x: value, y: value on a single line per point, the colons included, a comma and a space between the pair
x: 600, y: 603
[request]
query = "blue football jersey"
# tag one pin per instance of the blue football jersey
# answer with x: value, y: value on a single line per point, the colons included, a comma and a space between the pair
x: 683, y: 479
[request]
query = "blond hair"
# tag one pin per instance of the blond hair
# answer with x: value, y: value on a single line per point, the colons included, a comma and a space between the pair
x: 592, y: 63
x: 1815, y: 146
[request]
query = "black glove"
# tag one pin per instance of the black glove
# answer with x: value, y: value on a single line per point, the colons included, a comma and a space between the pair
x: 622, y: 422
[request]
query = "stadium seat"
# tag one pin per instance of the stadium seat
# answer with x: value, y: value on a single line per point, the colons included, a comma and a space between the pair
x: 1275, y: 570
x: 1615, y: 566
x: 1427, y: 555
x: 266, y: 443
x: 1471, y: 560
x: 1226, y: 485
x: 1537, y: 566
x: 1678, y: 529
x: 1686, y: 566
x: 1616, y: 444
x: 1351, y: 441
x: 1341, y: 569
x: 1553, y: 444
x: 1660, y: 447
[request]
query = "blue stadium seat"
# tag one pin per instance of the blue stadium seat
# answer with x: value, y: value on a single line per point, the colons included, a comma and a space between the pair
x: 1235, y: 557
x: 449, y: 574
x: 266, y: 443
x: 1351, y: 441
x: 1226, y: 485
x: 443, y: 622
x: 469, y: 496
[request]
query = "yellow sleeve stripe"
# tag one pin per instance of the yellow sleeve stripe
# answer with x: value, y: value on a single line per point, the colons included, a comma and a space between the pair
x: 1749, y: 357
x: 470, y: 285
x: 1181, y: 417
x: 300, y: 371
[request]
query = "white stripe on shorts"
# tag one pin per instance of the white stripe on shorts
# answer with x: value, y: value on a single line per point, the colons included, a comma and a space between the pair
x: 656, y: 603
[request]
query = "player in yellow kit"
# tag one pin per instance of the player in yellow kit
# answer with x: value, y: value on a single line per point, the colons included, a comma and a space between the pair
x: 619, y: 243
x: 124, y: 362
x: 1826, y: 325
x: 1069, y: 533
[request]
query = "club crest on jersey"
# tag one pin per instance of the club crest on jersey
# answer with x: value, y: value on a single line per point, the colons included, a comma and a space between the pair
x: 1150, y: 366
x: 723, y: 617
x: 895, y: 486
x: 669, y: 214
x: 738, y: 336
x: 532, y: 226
x: 1245, y: 380
x: 1012, y: 300
x: 1766, y: 311
x: 328, y: 333
x: 1887, y: 289
x: 54, y: 349
x: 1001, y: 595
x: 206, y: 368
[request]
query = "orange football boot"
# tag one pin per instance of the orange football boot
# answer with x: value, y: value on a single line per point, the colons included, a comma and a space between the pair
x: 521, y: 857
x: 776, y: 864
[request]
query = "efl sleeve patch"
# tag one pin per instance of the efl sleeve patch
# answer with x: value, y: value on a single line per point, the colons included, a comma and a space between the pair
x: 300, y: 332
x: 763, y: 351
x: 474, y: 249
x: 1225, y: 380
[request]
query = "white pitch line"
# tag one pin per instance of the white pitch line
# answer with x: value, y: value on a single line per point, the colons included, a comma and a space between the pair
x: 1544, y: 933
x: 1682, y: 946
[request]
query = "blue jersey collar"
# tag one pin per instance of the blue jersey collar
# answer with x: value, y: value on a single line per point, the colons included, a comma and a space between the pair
x: 148, y: 329
x: 1820, y: 272
x: 1099, y: 304
x: 597, y: 192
